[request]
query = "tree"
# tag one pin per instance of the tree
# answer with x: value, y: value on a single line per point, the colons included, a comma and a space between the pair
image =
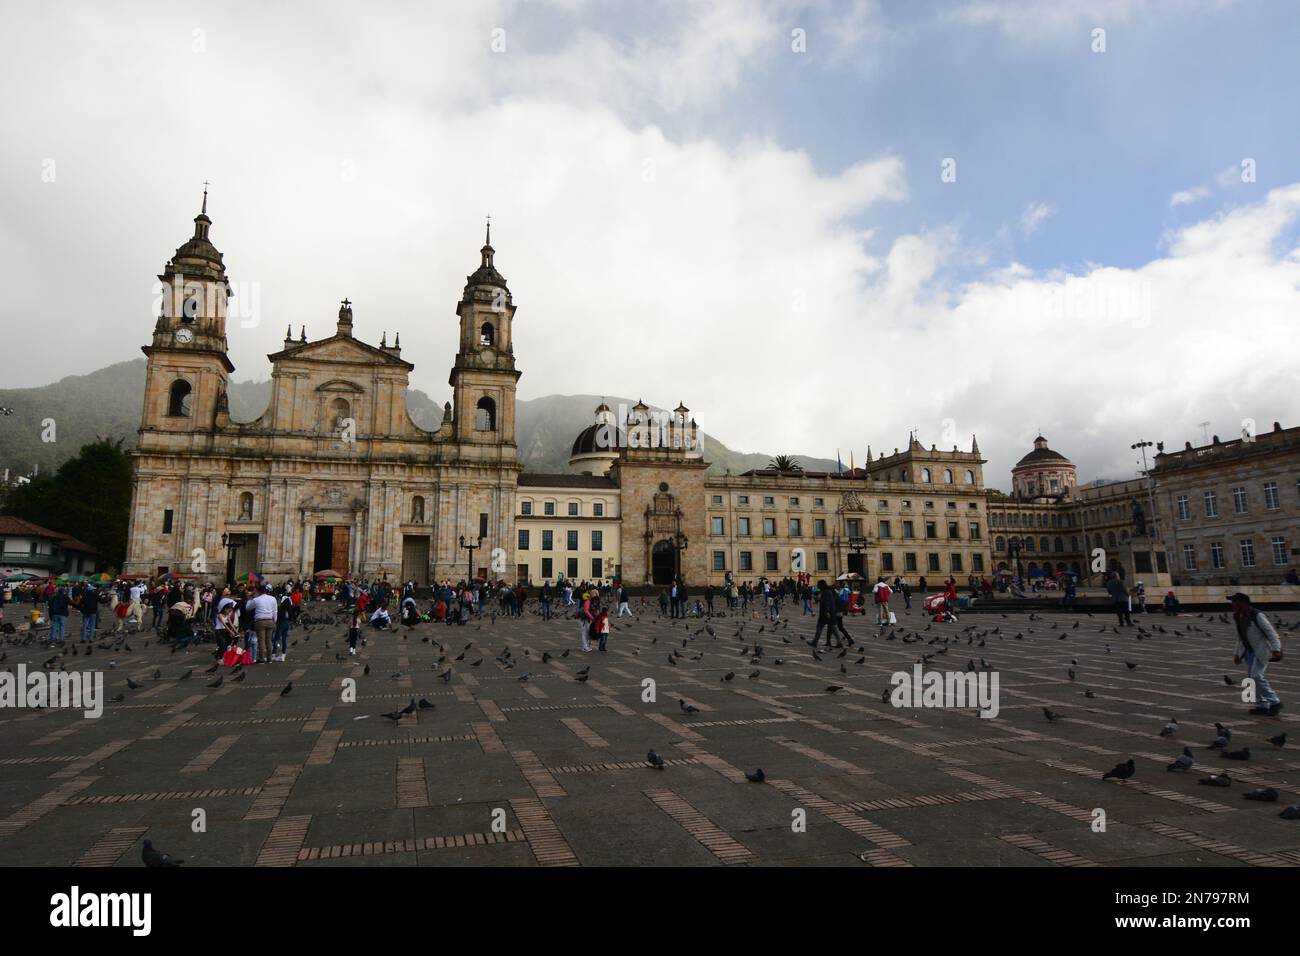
x: 785, y: 463
x: 88, y: 498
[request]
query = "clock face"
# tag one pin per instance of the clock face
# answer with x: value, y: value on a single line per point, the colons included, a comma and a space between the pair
x: 185, y: 336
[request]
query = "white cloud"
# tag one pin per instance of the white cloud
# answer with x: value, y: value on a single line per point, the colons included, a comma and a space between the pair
x: 1035, y: 214
x: 1186, y: 197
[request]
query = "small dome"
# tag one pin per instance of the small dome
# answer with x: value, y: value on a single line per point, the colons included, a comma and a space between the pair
x: 597, y: 439
x: 1041, y: 454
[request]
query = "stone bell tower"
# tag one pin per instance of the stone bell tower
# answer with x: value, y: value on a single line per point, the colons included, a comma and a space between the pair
x: 484, y: 377
x: 188, y: 369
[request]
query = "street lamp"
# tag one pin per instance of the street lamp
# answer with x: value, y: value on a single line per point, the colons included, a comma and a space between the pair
x: 471, y: 548
x: 229, y: 542
x: 857, y: 545
x: 679, y: 545
x: 1156, y: 530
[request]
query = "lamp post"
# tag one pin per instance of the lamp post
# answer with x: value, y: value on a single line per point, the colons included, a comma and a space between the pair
x: 471, y: 548
x: 229, y: 542
x: 679, y: 545
x: 1156, y: 528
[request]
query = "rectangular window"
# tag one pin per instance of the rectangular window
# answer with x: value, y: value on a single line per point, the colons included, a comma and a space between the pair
x: 974, y: 530
x: 882, y: 504
x: 909, y: 529
x: 742, y: 527
x: 717, y: 499
x: 167, y: 521
x: 887, y: 561
x: 794, y: 502
x: 744, y: 499
x: 823, y: 561
x: 549, y: 508
x: 598, y: 541
x: 819, y: 527
x: 573, y: 509
x: 768, y: 500
x: 1184, y: 508
x: 598, y: 509
x: 1239, y: 505
x: 571, y: 568
x: 819, y: 502
x: 1271, y: 500
x: 596, y: 566
x: 716, y: 526
x: 932, y: 561
x: 954, y: 562
x: 1216, y: 555
x: 855, y: 527
x: 796, y: 528
x: 769, y: 558
x: 1211, y: 505
x: 885, y: 529
x: 909, y: 561
x: 746, y: 561
x: 769, y: 526
x: 525, y: 507
x: 719, y: 561
x: 523, y: 539
x: 1189, y: 557
x: 931, y: 531
x: 1247, y: 553
x: 548, y: 542
x: 907, y: 504
x: 1278, y: 545
x: 979, y: 562
x: 482, y: 525
x: 547, y: 569
x: 953, y: 531
x: 571, y: 540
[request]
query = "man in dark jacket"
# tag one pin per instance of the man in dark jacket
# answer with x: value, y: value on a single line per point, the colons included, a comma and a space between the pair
x: 58, y: 606
x: 829, y: 616
x: 1119, y: 598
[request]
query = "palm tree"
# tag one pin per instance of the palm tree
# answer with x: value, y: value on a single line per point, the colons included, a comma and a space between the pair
x: 785, y: 463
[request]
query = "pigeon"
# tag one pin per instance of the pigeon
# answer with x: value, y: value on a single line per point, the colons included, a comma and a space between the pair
x: 239, y: 678
x: 1130, y: 665
x: 397, y: 715
x: 425, y: 704
x: 885, y: 695
x: 728, y: 677
x: 1278, y: 741
x: 1216, y: 780
x: 687, y: 708
x: 656, y: 761
x: 582, y: 678
x: 132, y: 684
x: 366, y: 671
x: 221, y: 679
x: 152, y: 857
x: 287, y: 688
x: 1089, y: 694
x: 833, y: 688
x: 1169, y: 729
x: 1183, y: 761
x: 1051, y: 714
x: 1242, y: 754
x: 1262, y: 794
x: 1224, y: 735
x: 1291, y: 813
x: 446, y: 676
x: 1227, y: 680
x: 119, y: 698
x: 756, y: 777
x: 1121, y: 771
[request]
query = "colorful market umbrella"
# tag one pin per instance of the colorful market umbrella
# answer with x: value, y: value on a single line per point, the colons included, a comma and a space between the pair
x: 17, y: 577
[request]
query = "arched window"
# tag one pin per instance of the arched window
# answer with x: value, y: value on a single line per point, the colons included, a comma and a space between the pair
x: 947, y: 476
x: 970, y: 476
x: 246, y: 506
x: 925, y: 474
x: 1029, y: 544
x: 487, y: 335
x: 417, y: 510
x: 485, y: 417
x: 1058, y: 545
x: 340, y: 412
x: 1110, y: 539
x: 1000, y: 544
x: 1043, y: 545
x: 178, y: 404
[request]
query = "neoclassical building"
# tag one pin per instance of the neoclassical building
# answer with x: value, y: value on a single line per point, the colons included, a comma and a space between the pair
x: 334, y: 473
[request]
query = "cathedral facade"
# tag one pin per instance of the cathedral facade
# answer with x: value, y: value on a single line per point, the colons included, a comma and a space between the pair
x: 334, y: 473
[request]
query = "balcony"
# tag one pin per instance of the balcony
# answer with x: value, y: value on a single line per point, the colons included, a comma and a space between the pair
x: 25, y: 559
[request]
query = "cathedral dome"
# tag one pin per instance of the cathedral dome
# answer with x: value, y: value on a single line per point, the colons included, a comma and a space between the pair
x: 1041, y: 454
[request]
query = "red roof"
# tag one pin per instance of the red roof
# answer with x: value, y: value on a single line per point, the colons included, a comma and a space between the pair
x: 9, y: 525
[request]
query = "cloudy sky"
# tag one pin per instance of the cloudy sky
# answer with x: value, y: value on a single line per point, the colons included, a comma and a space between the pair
x: 818, y: 224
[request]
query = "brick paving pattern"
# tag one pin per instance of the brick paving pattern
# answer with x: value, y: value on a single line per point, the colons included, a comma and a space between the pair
x: 552, y: 770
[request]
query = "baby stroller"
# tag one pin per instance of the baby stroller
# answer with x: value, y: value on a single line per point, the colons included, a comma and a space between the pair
x: 940, y: 608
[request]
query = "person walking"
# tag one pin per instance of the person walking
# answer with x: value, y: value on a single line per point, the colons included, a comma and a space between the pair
x: 87, y: 602
x: 283, y: 619
x: 264, y: 614
x: 623, y: 609
x: 1257, y: 645
x: 1119, y: 599
x: 880, y: 594
x: 829, y: 616
x: 585, y: 616
x: 58, y: 605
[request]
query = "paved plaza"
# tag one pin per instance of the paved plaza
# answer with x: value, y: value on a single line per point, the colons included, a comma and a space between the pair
x: 520, y: 763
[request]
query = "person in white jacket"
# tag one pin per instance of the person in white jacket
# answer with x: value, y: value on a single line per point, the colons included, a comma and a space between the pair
x: 1257, y: 645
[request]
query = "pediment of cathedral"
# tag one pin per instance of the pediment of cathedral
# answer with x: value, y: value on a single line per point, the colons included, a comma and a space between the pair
x: 338, y: 349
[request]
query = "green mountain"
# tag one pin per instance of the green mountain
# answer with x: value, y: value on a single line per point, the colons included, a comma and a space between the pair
x: 50, y: 423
